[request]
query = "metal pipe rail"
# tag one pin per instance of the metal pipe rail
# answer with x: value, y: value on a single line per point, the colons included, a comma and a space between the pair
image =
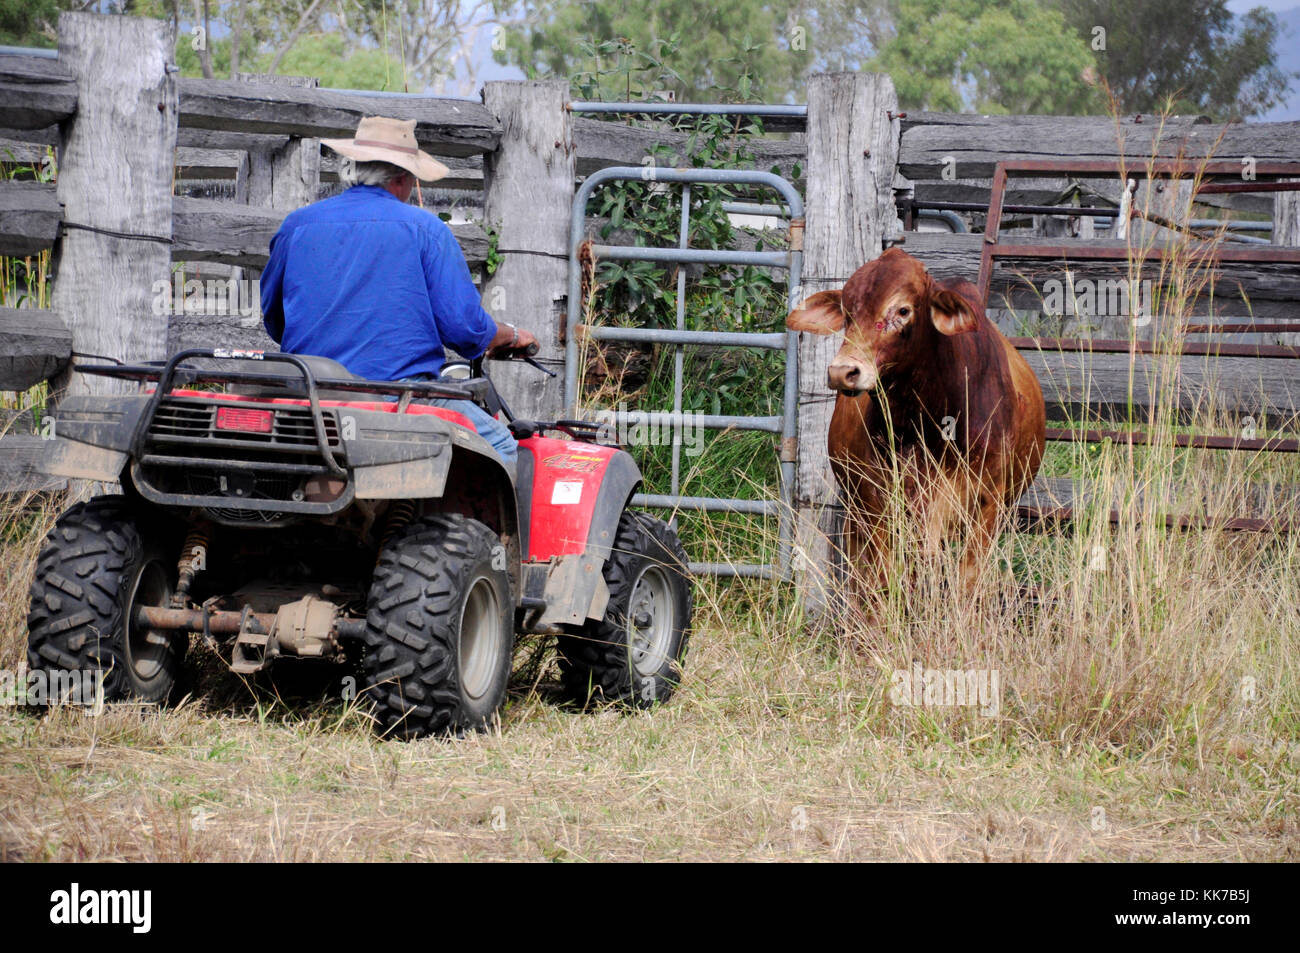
x: 691, y: 256
x: 675, y: 419
x: 756, y: 208
x: 775, y: 341
x: 693, y: 109
x: 708, y: 504
x: 776, y: 117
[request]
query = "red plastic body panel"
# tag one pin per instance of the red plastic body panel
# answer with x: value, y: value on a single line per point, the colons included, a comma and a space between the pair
x: 567, y: 476
x: 384, y: 406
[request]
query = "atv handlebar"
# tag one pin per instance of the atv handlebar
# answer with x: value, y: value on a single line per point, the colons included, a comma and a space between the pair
x: 515, y: 353
x: 524, y: 354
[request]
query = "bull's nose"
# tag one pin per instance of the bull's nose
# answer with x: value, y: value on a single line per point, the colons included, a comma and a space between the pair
x: 843, y: 377
x: 852, y: 377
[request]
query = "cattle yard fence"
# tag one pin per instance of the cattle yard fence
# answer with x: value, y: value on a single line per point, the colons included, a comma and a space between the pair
x: 191, y: 186
x: 1213, y: 251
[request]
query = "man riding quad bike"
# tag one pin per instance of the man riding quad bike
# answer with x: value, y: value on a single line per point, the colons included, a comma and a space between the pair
x: 306, y: 513
x: 350, y: 501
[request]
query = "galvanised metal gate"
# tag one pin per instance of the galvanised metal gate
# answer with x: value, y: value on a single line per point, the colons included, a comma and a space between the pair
x: 784, y: 424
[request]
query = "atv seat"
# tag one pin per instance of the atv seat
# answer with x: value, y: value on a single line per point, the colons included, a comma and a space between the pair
x: 321, y: 368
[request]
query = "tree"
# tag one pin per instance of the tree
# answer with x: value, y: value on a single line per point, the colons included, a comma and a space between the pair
x: 322, y: 55
x: 990, y: 55
x: 995, y: 56
x: 388, y: 44
x: 429, y: 37
x: 613, y: 50
x: 30, y: 22
x: 1193, y: 54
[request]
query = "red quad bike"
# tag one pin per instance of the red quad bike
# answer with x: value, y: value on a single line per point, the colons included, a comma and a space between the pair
x: 299, y: 512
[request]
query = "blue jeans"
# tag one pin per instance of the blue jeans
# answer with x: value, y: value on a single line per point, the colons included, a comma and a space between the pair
x: 487, y: 426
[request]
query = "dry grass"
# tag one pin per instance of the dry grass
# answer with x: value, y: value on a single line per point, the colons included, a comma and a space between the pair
x: 1122, y: 735
x: 734, y: 769
x: 25, y: 518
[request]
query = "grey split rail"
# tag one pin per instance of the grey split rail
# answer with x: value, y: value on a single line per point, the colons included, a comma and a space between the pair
x: 785, y: 424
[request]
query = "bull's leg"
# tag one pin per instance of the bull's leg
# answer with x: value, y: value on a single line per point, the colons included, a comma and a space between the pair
x: 866, y: 560
x: 939, y: 502
x: 938, y: 509
x: 979, y: 541
x: 876, y: 562
x: 865, y: 542
x: 853, y: 542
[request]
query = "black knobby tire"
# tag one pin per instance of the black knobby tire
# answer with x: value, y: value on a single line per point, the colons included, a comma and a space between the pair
x: 440, y: 602
x: 96, y: 566
x: 634, y: 661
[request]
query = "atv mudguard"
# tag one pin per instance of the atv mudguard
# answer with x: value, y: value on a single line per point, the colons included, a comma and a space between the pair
x: 92, y: 436
x: 571, y: 497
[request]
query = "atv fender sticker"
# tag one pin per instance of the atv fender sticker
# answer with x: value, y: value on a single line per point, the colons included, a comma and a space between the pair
x: 565, y: 493
x: 577, y: 462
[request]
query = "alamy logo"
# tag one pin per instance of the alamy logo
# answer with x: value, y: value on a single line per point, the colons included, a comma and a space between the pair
x: 654, y: 429
x: 76, y: 906
x: 40, y: 687
x: 214, y: 296
x: 948, y: 688
x: 1104, y: 298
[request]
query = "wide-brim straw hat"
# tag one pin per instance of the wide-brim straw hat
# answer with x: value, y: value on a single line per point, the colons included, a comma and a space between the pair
x: 380, y: 139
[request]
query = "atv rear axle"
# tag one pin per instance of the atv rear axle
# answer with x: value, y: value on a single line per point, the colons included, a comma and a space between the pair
x: 229, y: 622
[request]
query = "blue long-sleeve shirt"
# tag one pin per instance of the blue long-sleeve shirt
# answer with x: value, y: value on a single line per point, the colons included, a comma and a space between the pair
x: 378, y: 285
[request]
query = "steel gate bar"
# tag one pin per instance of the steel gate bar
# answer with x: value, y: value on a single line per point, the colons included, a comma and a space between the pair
x: 786, y: 424
x: 679, y: 350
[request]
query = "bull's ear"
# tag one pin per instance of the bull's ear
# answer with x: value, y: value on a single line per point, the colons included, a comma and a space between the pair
x: 950, y: 312
x: 820, y: 314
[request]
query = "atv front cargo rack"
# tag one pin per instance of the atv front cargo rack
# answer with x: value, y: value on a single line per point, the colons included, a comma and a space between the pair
x: 183, y: 375
x: 175, y: 432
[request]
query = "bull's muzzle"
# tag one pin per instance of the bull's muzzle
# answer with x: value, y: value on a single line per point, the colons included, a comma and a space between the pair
x: 851, y: 378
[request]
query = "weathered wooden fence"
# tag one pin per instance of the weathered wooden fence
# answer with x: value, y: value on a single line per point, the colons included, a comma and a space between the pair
x: 119, y: 219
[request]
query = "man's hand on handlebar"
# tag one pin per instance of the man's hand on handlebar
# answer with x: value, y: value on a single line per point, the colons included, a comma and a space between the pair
x: 519, y: 345
x: 512, y: 342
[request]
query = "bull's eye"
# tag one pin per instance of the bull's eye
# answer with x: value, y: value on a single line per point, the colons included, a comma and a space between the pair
x: 904, y: 312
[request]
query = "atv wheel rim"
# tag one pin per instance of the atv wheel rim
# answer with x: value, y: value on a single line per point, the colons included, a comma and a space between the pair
x: 480, y: 638
x: 650, y: 622
x: 147, y: 650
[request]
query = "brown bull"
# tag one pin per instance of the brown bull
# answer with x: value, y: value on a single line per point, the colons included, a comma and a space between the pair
x: 929, y: 391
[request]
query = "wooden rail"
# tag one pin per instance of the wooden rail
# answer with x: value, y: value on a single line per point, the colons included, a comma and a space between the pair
x: 36, y: 92
x: 1266, y: 291
x: 202, y: 229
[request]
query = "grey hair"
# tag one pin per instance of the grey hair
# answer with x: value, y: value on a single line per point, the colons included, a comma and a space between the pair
x: 369, y: 173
